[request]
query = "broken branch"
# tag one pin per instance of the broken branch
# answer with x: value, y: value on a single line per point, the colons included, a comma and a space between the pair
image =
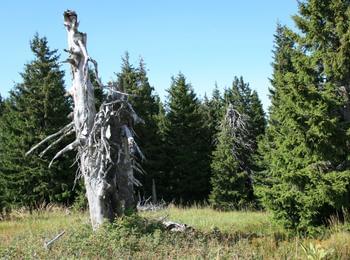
x: 64, y: 129
x: 69, y: 147
x: 49, y: 243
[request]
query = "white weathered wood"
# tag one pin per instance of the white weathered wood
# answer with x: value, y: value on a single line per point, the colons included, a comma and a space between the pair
x: 104, y: 139
x: 48, y: 244
x: 56, y: 142
x: 64, y: 130
x: 92, y: 167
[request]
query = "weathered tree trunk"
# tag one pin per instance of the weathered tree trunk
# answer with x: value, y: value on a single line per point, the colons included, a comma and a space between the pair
x: 104, y: 139
x: 84, y: 113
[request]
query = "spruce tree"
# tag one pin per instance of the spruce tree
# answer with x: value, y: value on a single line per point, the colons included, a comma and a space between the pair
x: 306, y: 145
x: 231, y: 177
x: 186, y: 145
x: 257, y: 118
x: 283, y: 51
x: 98, y: 93
x: 213, y: 110
x: 134, y: 81
x: 269, y: 146
x: 238, y: 95
x: 233, y: 165
x: 3, y: 199
x: 1, y: 105
x: 247, y: 101
x: 36, y: 108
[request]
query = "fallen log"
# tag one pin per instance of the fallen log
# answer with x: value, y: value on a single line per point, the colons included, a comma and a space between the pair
x: 176, y: 227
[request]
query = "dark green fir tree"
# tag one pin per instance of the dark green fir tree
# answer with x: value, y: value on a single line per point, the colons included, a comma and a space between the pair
x: 246, y: 101
x: 231, y: 175
x: 213, y: 111
x: 257, y: 117
x: 3, y: 188
x: 134, y: 81
x: 238, y: 171
x: 2, y: 104
x: 99, y: 94
x: 307, y: 148
x: 186, y: 145
x: 36, y: 108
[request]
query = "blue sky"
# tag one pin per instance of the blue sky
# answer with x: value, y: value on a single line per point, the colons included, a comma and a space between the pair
x: 208, y: 41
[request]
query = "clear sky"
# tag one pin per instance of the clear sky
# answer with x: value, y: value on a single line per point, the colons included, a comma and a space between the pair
x: 208, y: 41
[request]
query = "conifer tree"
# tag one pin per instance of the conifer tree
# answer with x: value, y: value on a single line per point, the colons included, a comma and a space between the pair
x: 2, y: 177
x: 269, y: 145
x: 306, y: 147
x: 246, y: 101
x: 233, y: 166
x: 36, y: 108
x: 238, y: 95
x: 214, y: 110
x: 186, y: 145
x: 257, y: 118
x: 134, y: 81
x: 1, y: 106
x: 98, y: 93
x: 283, y: 50
x: 231, y: 176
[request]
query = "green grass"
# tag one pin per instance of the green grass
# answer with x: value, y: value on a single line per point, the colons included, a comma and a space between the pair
x: 39, y: 221
x: 207, y: 219
x: 217, y: 235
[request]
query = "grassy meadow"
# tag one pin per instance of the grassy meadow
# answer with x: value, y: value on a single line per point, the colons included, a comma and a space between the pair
x: 216, y: 235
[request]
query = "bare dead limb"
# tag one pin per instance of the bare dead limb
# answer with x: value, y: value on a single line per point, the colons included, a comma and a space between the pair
x: 238, y: 124
x: 56, y: 142
x: 69, y: 147
x: 62, y: 131
x: 48, y: 244
x: 99, y: 80
x: 131, y: 141
x: 117, y: 91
